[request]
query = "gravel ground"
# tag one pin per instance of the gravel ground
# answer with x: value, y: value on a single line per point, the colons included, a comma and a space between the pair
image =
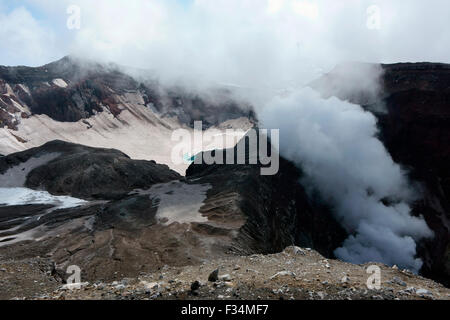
x: 295, y: 273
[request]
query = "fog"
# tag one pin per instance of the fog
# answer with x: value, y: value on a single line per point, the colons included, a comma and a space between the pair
x: 250, y: 43
x: 334, y: 143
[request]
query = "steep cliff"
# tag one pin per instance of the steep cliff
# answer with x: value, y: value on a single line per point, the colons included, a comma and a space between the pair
x: 412, y: 106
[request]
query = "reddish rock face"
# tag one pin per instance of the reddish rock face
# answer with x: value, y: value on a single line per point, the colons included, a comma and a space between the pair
x: 2, y: 87
x: 413, y: 111
x: 80, y: 92
x: 69, y: 90
x: 416, y: 131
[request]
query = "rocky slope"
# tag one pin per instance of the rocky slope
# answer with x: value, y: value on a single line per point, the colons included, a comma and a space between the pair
x: 79, y: 171
x: 141, y: 216
x: 277, y: 209
x: 102, y: 106
x: 413, y: 111
x: 72, y: 89
x: 295, y: 273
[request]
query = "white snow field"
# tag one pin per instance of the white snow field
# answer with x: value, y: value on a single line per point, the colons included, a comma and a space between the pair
x: 136, y: 131
x: 177, y: 201
x: 60, y: 83
x: 25, y: 196
x: 17, y: 175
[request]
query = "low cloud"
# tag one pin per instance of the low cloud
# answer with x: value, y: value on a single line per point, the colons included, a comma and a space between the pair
x: 25, y: 40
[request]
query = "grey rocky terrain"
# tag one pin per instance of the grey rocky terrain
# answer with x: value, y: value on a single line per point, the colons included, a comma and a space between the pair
x: 140, y: 228
x: 296, y: 273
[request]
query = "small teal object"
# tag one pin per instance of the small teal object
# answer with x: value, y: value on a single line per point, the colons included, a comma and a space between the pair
x: 188, y: 158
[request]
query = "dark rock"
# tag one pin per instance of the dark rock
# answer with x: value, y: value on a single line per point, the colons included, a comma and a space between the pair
x: 195, y: 286
x: 214, y: 276
x: 414, y: 126
x: 88, y: 173
x: 276, y: 210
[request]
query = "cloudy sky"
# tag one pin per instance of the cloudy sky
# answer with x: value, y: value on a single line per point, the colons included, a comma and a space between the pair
x: 228, y: 40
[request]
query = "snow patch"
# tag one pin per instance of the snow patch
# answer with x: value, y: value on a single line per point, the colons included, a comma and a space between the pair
x: 60, y: 83
x: 179, y: 202
x: 17, y: 175
x: 25, y: 196
x: 20, y: 107
x: 28, y: 235
x: 9, y: 90
x: 25, y: 88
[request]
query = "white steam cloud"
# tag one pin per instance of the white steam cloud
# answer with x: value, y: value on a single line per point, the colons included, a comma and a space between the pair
x: 334, y: 142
